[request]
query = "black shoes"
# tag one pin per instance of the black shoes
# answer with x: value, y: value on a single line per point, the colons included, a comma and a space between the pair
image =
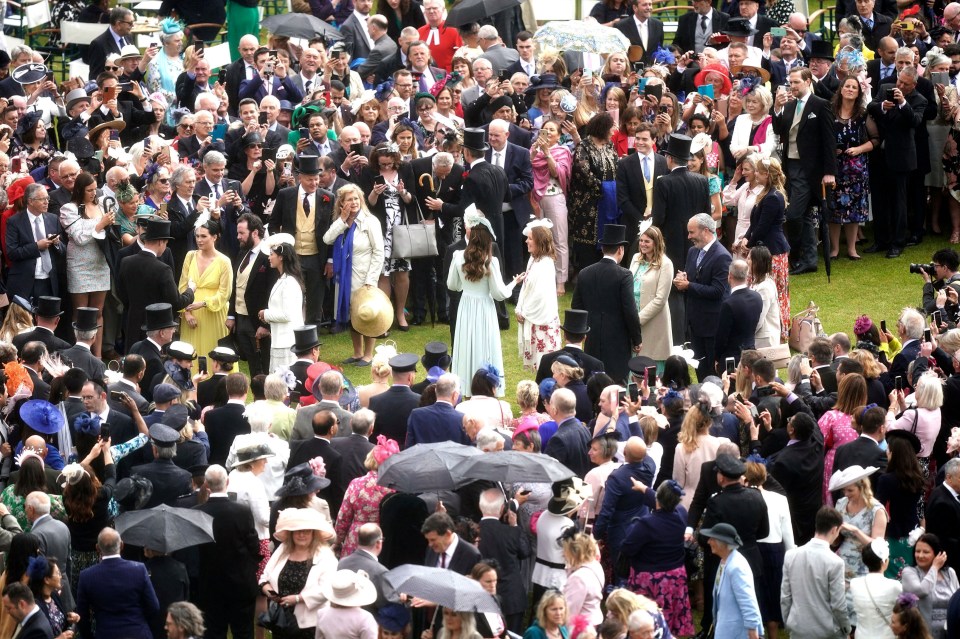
x: 894, y: 253
x: 876, y: 248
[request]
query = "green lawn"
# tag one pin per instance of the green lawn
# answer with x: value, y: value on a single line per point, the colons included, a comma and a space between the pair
x: 875, y: 285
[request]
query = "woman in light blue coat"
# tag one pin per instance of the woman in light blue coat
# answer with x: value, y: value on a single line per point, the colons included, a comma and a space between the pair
x: 736, y: 613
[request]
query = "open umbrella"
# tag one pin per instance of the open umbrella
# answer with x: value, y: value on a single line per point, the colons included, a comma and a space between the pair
x: 442, y: 587
x: 576, y: 35
x: 826, y: 207
x: 468, y: 11
x: 300, y: 25
x: 426, y: 467
x: 511, y: 466
x: 165, y: 528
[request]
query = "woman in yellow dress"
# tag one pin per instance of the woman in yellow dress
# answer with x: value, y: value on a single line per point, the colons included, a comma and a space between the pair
x: 203, y: 322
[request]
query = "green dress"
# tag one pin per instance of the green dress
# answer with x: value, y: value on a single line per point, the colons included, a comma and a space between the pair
x: 241, y: 20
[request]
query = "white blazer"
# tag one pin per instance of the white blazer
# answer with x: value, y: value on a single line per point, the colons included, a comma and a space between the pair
x: 768, y: 328
x: 284, y: 311
x: 740, y: 138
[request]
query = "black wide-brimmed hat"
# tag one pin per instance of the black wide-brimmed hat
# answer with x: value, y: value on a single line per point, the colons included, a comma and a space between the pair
x: 739, y: 28
x: 47, y: 306
x: 576, y: 321
x: 723, y: 532
x: 475, y: 140
x: 300, y: 480
x: 157, y: 229
x: 305, y: 339
x: 86, y: 319
x: 158, y: 316
x: 678, y: 146
x: 613, y: 235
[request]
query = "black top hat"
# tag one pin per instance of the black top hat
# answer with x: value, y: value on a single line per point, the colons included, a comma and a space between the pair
x: 821, y: 49
x: 739, y: 27
x: 305, y: 339
x: 309, y: 165
x: 614, y: 234
x: 678, y: 146
x: 47, y: 306
x: 576, y: 322
x: 435, y: 354
x: 86, y: 319
x: 157, y: 229
x: 475, y: 139
x: 158, y: 316
x: 29, y: 73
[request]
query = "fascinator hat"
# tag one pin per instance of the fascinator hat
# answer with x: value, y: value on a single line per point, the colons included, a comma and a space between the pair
x: 532, y: 224
x: 472, y: 217
x: 169, y: 26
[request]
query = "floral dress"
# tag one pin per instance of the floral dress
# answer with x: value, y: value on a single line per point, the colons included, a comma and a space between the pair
x: 837, y: 431
x: 594, y: 171
x: 361, y: 505
x: 850, y: 547
x: 851, y: 195
x: 68, y: 10
x: 391, y: 202
x: 17, y: 507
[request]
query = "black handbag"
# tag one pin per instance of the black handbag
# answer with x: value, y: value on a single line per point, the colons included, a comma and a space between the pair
x: 278, y: 618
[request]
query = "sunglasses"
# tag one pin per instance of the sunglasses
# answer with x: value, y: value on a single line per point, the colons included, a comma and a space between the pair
x: 185, y: 127
x: 108, y: 68
x: 163, y: 180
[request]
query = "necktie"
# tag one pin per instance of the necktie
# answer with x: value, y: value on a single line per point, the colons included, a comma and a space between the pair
x: 123, y: 42
x: 700, y: 257
x: 496, y: 159
x: 646, y: 168
x: 306, y: 204
x: 443, y: 560
x: 246, y: 261
x: 423, y: 83
x: 886, y: 71
x: 216, y: 192
x: 868, y: 23
x: 306, y: 86
x: 45, y: 263
x: 703, y: 23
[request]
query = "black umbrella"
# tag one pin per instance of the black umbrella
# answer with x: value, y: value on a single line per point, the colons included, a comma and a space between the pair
x: 426, y: 467
x: 443, y: 587
x: 165, y: 528
x: 300, y: 25
x: 469, y: 11
x: 826, y: 207
x: 512, y: 466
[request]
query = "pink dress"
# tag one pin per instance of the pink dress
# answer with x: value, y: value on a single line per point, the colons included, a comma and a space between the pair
x: 837, y: 431
x: 361, y: 505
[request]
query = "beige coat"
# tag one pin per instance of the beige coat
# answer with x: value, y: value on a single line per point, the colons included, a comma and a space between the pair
x: 653, y: 309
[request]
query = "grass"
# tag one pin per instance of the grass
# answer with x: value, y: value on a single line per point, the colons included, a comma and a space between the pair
x: 875, y: 285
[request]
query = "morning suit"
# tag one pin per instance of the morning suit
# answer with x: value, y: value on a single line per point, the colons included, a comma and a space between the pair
x: 353, y: 451
x: 36, y: 626
x: 689, y: 23
x: 54, y: 538
x: 569, y: 446
x: 145, y: 280
x: 678, y: 196
x: 465, y: 557
x: 605, y: 291
x: 103, y: 45
x: 812, y: 594
x: 500, y: 56
x: 355, y: 40
x: 880, y: 73
x: 393, y: 409
x: 40, y: 334
x: 621, y: 503
x: 943, y: 520
x: 304, y: 451
x: 735, y: 607
x: 260, y: 278
x: 707, y: 277
x: 799, y: 469
x: 383, y: 48
x: 236, y: 73
x: 485, y: 186
x: 41, y: 389
x: 80, y: 356
x: 516, y: 164
x: 228, y: 569
x: 170, y: 482
x: 303, y: 425
x: 282, y: 88
x: 223, y: 425
x: 119, y: 595
x: 150, y: 352
x: 229, y: 214
x: 628, y: 27
x: 805, y: 165
x: 739, y: 317
x: 23, y: 253
x: 632, y: 194
x: 509, y: 546
x: 58, y: 197
x: 517, y: 134
x: 901, y: 362
x: 439, y: 422
x: 182, y: 219
x: 588, y: 363
x: 360, y: 559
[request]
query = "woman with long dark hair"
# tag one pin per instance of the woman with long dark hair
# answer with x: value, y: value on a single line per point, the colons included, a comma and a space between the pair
x: 538, y: 318
x: 204, y: 320
x: 899, y: 488
x: 768, y: 331
x: 932, y: 581
x: 400, y: 14
x: 22, y: 548
x: 88, y: 274
x: 284, y: 309
x: 30, y: 478
x: 476, y: 272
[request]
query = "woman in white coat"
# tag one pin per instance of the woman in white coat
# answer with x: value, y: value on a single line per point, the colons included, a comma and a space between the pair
x: 284, y: 310
x: 357, y: 260
x: 761, y: 272
x: 538, y: 316
x: 652, y: 274
x: 873, y: 594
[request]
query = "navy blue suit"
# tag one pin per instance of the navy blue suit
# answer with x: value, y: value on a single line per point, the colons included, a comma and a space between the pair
x: 569, y: 446
x: 118, y: 593
x: 900, y: 363
x: 284, y: 90
x: 739, y: 316
x: 23, y: 253
x: 708, y: 286
x: 621, y: 503
x: 516, y: 164
x: 439, y: 422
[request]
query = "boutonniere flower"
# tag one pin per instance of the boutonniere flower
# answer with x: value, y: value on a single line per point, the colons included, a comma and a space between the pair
x: 439, y: 75
x: 326, y: 199
x: 466, y: 174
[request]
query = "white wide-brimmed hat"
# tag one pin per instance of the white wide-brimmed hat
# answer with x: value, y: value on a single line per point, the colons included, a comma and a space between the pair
x: 349, y: 589
x: 293, y: 519
x: 849, y: 476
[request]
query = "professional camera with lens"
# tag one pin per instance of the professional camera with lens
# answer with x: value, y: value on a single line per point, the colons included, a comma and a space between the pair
x: 921, y: 268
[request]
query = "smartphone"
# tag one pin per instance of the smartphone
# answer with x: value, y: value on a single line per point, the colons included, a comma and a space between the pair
x: 202, y: 364
x: 116, y: 396
x: 272, y: 53
x: 721, y: 39
x: 642, y: 84
x: 941, y: 77
x: 105, y: 432
x: 49, y: 76
x: 883, y: 325
x: 268, y: 154
x: 222, y: 75
x: 935, y: 316
x: 651, y: 375
x: 198, y: 47
x: 379, y: 180
x: 664, y: 108
x: 888, y: 95
x: 569, y: 117
x: 357, y: 148
x: 926, y: 335
x: 638, y: 67
x: 706, y: 91
x: 587, y: 74
x: 304, y: 133
x: 778, y: 32
x: 898, y: 383
x: 114, y: 134
x: 731, y: 365
x: 262, y: 119
x: 656, y: 90
x: 15, y: 164
x: 109, y: 93
x: 634, y: 390
x: 503, y: 75
x: 621, y: 395
x: 126, y: 86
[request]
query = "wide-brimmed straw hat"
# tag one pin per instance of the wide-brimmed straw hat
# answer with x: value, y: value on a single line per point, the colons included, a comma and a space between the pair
x: 294, y: 519
x: 849, y: 476
x: 349, y: 589
x: 371, y: 311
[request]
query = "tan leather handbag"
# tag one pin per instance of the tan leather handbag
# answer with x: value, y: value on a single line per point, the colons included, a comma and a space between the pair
x: 805, y: 327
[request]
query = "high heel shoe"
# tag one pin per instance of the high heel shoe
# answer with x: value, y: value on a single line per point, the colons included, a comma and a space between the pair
x: 955, y: 237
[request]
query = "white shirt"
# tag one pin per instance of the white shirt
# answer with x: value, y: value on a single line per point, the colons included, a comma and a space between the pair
x: 448, y: 553
x: 530, y: 68
x: 362, y: 17
x: 38, y: 273
x: 642, y: 30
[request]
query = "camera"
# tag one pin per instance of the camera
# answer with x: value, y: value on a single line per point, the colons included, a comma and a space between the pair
x: 921, y: 268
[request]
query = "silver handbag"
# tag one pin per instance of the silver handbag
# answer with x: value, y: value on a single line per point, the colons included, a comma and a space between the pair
x: 414, y: 240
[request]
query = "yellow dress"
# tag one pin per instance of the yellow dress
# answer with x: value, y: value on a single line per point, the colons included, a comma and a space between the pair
x: 213, y: 287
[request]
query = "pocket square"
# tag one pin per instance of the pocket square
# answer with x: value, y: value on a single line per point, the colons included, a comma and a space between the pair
x: 812, y: 116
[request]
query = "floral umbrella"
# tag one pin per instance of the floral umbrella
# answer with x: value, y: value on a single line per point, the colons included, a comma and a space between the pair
x: 577, y: 35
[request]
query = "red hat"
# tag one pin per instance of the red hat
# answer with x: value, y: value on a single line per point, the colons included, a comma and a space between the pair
x: 715, y: 67
x: 16, y: 190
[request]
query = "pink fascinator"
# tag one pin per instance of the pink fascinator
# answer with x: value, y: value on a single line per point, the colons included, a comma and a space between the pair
x: 863, y: 325
x: 385, y: 449
x: 318, y: 467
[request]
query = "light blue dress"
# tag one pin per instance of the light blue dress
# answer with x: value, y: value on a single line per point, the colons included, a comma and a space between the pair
x: 87, y: 269
x: 477, y: 339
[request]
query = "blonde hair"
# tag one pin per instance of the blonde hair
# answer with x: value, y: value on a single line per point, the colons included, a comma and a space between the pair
x: 950, y: 341
x: 579, y: 550
x: 622, y: 603
x: 871, y: 367
x: 572, y: 372
x: 776, y: 180
x: 527, y: 394
x: 695, y: 424
x: 545, y: 602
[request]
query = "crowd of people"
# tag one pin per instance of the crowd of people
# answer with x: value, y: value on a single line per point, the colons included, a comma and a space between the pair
x: 176, y: 240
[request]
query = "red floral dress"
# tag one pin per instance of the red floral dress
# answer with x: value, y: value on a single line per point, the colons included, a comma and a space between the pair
x: 361, y: 505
